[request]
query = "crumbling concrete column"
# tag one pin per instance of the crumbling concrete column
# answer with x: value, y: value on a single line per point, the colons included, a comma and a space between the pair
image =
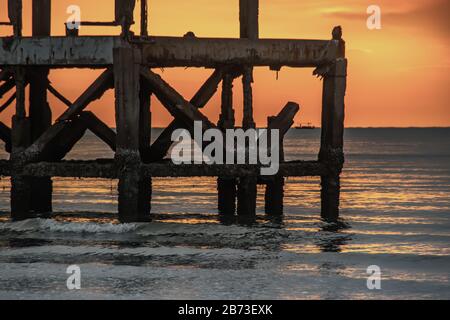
x: 226, y: 187
x: 332, y: 141
x: 134, y: 200
x: 40, y: 112
x: 249, y: 28
x: 20, y: 137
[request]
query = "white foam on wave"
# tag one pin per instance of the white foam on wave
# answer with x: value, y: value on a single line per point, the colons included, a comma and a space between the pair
x: 141, y: 229
x: 32, y: 225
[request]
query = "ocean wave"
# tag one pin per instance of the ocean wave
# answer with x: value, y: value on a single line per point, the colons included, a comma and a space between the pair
x: 33, y: 225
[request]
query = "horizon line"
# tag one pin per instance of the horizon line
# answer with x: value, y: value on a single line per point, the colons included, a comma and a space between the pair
x: 358, y: 127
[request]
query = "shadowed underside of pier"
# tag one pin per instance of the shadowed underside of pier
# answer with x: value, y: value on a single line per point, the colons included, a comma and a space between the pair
x: 38, y: 145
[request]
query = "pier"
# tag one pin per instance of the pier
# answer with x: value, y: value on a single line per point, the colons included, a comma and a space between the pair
x: 38, y: 145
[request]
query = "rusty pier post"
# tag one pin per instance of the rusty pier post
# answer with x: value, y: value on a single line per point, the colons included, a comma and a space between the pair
x: 249, y: 28
x: 332, y: 139
x: 134, y: 190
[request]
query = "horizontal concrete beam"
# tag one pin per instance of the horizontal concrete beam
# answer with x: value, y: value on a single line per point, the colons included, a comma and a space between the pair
x: 213, y: 52
x: 58, y: 51
x: 96, y: 51
x: 108, y: 169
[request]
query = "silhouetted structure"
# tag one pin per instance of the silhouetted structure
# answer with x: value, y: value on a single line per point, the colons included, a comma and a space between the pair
x: 38, y: 146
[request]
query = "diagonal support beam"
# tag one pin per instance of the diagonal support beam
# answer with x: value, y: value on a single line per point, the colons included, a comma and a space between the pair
x: 99, y: 128
x: 285, y: 119
x: 59, y: 96
x: 178, y: 107
x: 63, y: 143
x: 283, y: 122
x: 8, y: 102
x: 94, y: 124
x: 104, y: 82
x: 208, y: 89
x: 36, y: 151
x: 162, y: 144
x: 8, y: 85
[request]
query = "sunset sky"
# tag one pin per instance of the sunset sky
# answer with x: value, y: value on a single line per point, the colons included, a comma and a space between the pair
x: 398, y: 76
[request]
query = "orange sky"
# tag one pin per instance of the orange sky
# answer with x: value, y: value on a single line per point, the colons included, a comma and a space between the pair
x: 398, y: 76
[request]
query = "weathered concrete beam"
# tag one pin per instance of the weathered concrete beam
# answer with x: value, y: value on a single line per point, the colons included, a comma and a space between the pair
x: 58, y: 51
x: 108, y: 169
x: 97, y: 51
x: 212, y: 52
x: 76, y: 169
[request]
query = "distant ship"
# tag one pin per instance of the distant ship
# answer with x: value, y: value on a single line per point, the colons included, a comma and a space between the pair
x: 308, y: 126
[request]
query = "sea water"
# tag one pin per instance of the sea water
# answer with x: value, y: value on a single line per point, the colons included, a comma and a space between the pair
x: 395, y: 214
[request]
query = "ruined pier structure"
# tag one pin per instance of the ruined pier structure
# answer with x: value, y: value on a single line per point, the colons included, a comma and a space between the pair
x: 38, y: 145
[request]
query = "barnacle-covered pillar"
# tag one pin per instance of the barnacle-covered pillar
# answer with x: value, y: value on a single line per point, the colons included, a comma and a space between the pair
x: 134, y: 190
x: 40, y: 112
x: 332, y: 140
x: 226, y: 186
x: 249, y: 28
